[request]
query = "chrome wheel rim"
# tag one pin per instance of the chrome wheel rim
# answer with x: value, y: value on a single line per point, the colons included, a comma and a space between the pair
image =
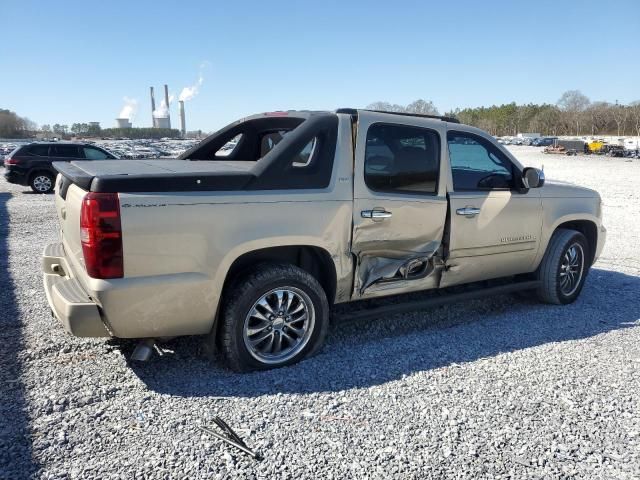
x: 571, y: 268
x: 42, y: 183
x: 279, y: 325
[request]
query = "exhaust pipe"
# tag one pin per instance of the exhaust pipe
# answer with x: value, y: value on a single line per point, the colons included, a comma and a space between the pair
x: 144, y: 350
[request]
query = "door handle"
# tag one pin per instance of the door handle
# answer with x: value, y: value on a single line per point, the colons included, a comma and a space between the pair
x: 375, y: 214
x: 468, y: 212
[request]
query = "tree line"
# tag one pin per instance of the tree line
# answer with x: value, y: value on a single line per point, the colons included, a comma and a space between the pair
x: 136, y: 133
x: 572, y: 114
x: 14, y: 126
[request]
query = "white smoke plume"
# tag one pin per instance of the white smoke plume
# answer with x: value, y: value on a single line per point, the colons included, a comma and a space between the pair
x: 188, y: 93
x: 129, y: 109
x: 162, y: 111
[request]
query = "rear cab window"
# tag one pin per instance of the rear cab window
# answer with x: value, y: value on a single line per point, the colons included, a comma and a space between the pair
x: 302, y: 159
x: 284, y: 154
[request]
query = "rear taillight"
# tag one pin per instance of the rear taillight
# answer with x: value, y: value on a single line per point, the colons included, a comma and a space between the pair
x: 101, y: 235
x: 10, y: 161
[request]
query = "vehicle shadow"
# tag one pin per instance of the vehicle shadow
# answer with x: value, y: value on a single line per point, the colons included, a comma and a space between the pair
x: 16, y: 459
x: 360, y: 354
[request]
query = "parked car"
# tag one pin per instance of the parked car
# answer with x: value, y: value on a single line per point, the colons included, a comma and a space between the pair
x: 308, y: 210
x: 614, y: 150
x: 5, y: 150
x: 632, y: 144
x: 32, y: 164
x: 544, y: 141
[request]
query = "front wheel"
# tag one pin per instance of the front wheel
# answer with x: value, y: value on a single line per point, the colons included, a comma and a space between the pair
x: 42, y: 182
x: 564, y: 267
x: 275, y: 316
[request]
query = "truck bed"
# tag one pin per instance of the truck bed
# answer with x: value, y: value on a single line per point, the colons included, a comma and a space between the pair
x: 157, y: 175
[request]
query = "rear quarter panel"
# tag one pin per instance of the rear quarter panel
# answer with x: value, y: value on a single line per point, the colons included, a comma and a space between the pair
x: 178, y: 247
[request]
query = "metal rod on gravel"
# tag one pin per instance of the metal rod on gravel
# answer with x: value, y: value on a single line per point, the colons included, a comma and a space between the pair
x: 233, y: 443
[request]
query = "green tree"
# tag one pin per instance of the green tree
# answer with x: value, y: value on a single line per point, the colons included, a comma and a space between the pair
x: 93, y: 130
x: 14, y: 126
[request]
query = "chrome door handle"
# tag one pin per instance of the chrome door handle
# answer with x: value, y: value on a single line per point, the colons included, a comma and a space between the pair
x: 468, y: 211
x: 375, y: 214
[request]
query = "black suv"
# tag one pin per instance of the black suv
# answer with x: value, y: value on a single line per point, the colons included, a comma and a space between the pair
x: 31, y: 165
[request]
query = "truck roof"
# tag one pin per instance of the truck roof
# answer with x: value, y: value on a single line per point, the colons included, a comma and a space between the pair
x: 354, y: 111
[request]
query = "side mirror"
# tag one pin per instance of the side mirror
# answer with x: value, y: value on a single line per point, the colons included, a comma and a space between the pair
x: 532, y: 178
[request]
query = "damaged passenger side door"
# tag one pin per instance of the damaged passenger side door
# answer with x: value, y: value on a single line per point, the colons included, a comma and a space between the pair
x: 400, y: 206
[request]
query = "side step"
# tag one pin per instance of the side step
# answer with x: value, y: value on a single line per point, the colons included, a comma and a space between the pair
x: 438, y: 300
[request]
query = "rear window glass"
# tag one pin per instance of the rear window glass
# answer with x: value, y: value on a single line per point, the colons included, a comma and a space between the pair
x: 70, y: 151
x: 270, y: 140
x: 36, y: 150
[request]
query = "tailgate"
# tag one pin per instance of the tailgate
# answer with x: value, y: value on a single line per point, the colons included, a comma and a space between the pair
x: 68, y: 200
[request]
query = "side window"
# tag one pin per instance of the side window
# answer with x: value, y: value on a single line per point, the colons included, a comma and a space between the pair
x: 94, y: 154
x: 476, y: 164
x: 303, y: 159
x: 229, y: 147
x: 402, y: 159
x: 68, y: 151
x: 37, y: 150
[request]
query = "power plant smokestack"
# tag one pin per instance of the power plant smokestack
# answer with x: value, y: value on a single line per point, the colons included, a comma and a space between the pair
x: 166, y: 102
x: 183, y: 128
x: 153, y: 108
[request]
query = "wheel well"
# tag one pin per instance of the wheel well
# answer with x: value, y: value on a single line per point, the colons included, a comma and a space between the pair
x: 589, y: 230
x: 313, y: 260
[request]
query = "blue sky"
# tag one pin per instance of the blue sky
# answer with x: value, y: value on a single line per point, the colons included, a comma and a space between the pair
x: 70, y: 61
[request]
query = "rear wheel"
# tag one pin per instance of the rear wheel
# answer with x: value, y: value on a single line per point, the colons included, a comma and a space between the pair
x: 564, y: 267
x: 274, y: 316
x: 42, y: 182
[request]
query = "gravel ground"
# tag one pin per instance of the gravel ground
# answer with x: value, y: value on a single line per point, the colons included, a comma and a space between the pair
x: 497, y: 388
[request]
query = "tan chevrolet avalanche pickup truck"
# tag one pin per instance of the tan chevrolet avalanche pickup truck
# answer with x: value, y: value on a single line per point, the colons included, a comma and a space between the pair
x: 254, y: 234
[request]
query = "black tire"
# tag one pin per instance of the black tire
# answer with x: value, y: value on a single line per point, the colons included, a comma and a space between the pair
x: 42, y: 182
x: 553, y: 288
x: 242, y: 298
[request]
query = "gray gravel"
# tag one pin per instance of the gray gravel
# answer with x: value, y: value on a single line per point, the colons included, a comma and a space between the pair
x: 498, y: 388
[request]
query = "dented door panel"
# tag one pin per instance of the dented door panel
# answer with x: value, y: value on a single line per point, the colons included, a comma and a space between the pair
x: 399, y: 248
x: 386, y: 249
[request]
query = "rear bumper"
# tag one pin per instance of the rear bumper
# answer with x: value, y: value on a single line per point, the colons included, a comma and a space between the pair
x: 15, y: 176
x: 70, y: 304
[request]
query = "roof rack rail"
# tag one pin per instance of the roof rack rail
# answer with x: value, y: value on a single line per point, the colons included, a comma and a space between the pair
x: 354, y: 111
